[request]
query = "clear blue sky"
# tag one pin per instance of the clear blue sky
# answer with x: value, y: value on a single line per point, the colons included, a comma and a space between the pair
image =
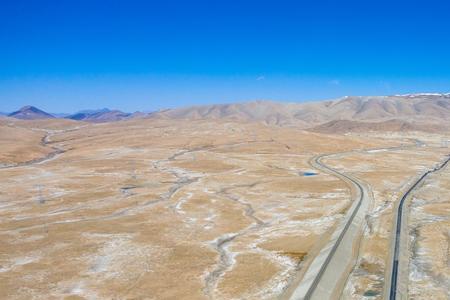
x: 63, y: 55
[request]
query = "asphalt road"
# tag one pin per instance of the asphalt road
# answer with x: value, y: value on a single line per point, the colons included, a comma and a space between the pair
x: 329, y: 269
x: 393, y: 292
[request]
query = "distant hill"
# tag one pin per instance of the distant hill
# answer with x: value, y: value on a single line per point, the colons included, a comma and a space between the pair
x: 425, y: 108
x: 275, y: 113
x: 85, y: 114
x: 99, y: 116
x: 345, y: 126
x: 30, y: 113
x: 60, y: 115
x: 137, y: 115
x: 95, y: 116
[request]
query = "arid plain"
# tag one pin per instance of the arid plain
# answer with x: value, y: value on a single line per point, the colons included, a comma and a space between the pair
x: 208, y: 208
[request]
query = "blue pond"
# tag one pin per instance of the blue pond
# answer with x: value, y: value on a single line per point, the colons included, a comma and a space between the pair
x: 308, y: 174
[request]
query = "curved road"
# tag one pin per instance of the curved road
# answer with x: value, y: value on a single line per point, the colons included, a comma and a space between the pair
x: 327, y: 272
x: 394, y: 290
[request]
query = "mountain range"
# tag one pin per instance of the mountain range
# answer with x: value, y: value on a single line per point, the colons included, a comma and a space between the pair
x: 427, y: 112
x: 429, y: 107
x: 102, y: 115
x: 97, y: 116
x: 424, y: 112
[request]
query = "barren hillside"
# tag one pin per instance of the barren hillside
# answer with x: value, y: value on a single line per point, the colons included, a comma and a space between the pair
x: 425, y: 108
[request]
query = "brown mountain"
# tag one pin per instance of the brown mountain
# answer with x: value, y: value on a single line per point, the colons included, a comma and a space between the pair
x: 424, y: 108
x: 30, y: 113
x: 276, y: 113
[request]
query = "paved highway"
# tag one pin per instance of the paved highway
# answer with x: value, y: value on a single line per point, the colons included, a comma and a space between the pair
x: 394, y: 292
x: 329, y: 269
x: 328, y: 272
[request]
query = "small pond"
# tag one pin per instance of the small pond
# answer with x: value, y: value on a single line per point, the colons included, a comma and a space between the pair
x: 308, y: 173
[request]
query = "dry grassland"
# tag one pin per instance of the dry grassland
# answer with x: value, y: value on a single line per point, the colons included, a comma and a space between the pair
x: 159, y: 209
x: 162, y: 209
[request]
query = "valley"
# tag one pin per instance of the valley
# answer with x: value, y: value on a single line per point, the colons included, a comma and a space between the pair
x: 164, y: 207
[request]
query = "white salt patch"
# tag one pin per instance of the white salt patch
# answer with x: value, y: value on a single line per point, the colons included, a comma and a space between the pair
x: 376, y: 150
x: 178, y: 206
